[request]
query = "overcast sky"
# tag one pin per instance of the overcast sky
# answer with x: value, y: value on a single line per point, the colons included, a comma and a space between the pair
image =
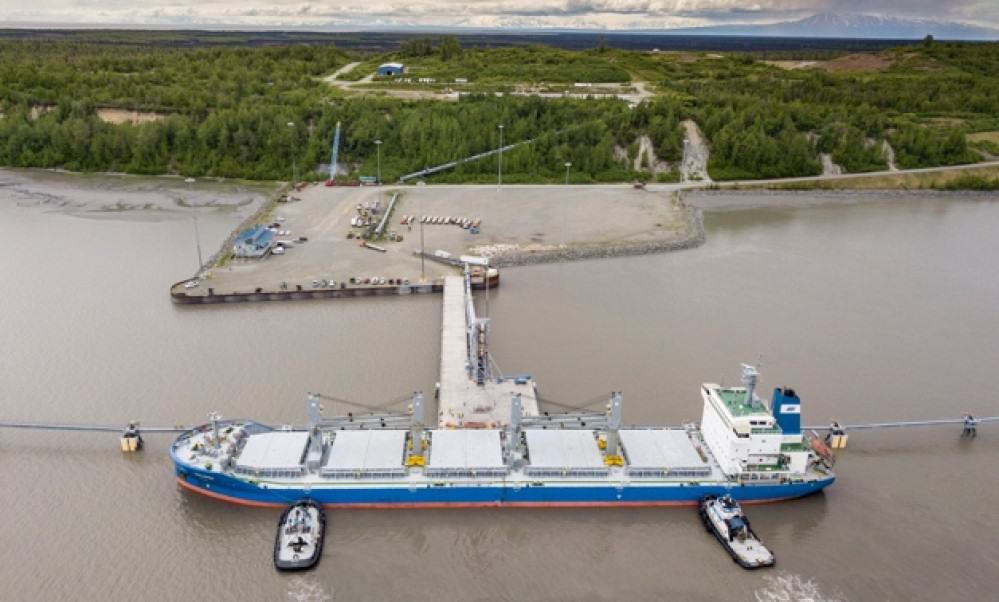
x: 616, y: 14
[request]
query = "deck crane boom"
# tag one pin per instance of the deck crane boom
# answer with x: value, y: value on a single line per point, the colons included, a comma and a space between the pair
x: 334, y: 156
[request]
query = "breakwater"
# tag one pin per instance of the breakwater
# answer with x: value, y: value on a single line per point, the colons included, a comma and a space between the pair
x: 693, y: 237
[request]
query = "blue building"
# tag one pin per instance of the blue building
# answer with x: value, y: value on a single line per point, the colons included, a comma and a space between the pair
x: 253, y: 242
x: 391, y: 69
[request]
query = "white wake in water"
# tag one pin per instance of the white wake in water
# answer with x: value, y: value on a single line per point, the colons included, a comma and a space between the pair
x: 791, y: 588
x: 308, y: 589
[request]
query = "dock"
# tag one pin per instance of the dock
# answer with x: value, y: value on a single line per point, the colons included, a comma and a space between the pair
x: 471, y: 393
x: 329, y: 252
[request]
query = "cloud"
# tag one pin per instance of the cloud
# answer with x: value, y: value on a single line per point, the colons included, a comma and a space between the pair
x: 645, y: 14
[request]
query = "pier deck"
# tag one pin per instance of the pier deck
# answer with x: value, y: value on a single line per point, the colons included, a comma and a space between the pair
x: 463, y: 403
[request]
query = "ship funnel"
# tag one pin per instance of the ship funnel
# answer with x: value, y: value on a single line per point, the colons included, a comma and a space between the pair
x: 787, y: 410
x: 750, y: 376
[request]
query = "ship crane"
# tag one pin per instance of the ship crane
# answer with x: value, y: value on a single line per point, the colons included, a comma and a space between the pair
x: 334, y: 156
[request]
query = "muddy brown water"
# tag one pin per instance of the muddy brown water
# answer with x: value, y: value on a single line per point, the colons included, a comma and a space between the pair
x: 872, y: 311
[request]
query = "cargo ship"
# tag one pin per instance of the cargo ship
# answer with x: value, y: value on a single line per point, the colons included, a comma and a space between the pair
x: 744, y: 447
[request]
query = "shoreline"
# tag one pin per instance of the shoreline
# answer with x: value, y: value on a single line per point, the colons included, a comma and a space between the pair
x: 124, y: 174
x: 726, y: 201
x: 693, y: 204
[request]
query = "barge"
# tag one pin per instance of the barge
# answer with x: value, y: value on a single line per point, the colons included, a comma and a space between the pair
x: 744, y: 448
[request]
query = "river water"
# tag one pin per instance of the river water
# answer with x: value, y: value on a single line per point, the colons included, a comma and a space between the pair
x: 875, y: 310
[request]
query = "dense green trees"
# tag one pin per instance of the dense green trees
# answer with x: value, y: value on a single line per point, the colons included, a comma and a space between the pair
x: 917, y: 146
x: 450, y: 48
x: 757, y: 142
x: 847, y: 110
x: 225, y: 111
x: 504, y: 67
x: 851, y: 148
x: 446, y: 48
x: 417, y: 47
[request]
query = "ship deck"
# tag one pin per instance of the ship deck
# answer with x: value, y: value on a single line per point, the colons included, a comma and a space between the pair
x: 376, y: 458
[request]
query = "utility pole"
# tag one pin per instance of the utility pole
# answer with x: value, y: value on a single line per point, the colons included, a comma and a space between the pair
x: 294, y: 161
x: 423, y: 248
x: 499, y: 180
x: 378, y: 147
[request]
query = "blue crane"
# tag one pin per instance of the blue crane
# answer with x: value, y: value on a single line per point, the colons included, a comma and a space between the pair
x: 335, y: 154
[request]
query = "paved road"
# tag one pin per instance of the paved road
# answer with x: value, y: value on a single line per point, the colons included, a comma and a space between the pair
x: 825, y: 178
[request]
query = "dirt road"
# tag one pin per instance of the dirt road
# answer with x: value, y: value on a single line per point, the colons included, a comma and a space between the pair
x: 695, y: 156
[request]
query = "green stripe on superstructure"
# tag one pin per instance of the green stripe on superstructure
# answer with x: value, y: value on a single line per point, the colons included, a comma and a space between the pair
x: 735, y: 402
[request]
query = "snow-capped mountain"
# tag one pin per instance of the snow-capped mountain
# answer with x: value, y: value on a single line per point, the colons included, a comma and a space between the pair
x: 832, y: 25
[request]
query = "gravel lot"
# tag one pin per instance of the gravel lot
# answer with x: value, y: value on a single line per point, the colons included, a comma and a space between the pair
x: 516, y: 220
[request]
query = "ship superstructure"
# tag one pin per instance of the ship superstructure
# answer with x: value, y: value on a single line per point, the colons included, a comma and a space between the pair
x: 750, y: 439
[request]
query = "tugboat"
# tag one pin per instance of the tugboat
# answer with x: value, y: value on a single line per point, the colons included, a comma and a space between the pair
x: 723, y: 517
x: 300, y: 536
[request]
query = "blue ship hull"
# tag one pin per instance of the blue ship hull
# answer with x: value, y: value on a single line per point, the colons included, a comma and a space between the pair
x: 549, y: 494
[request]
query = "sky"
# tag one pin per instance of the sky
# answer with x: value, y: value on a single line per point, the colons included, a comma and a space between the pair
x: 375, y: 14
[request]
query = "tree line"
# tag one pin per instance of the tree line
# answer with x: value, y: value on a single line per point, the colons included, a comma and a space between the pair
x: 225, y: 111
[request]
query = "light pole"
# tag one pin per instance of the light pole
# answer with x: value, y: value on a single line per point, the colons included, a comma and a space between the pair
x: 197, y: 234
x: 378, y: 148
x: 568, y: 164
x: 423, y: 247
x: 294, y: 162
x: 499, y: 180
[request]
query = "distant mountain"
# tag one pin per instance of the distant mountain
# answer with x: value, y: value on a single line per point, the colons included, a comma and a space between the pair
x: 831, y: 25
